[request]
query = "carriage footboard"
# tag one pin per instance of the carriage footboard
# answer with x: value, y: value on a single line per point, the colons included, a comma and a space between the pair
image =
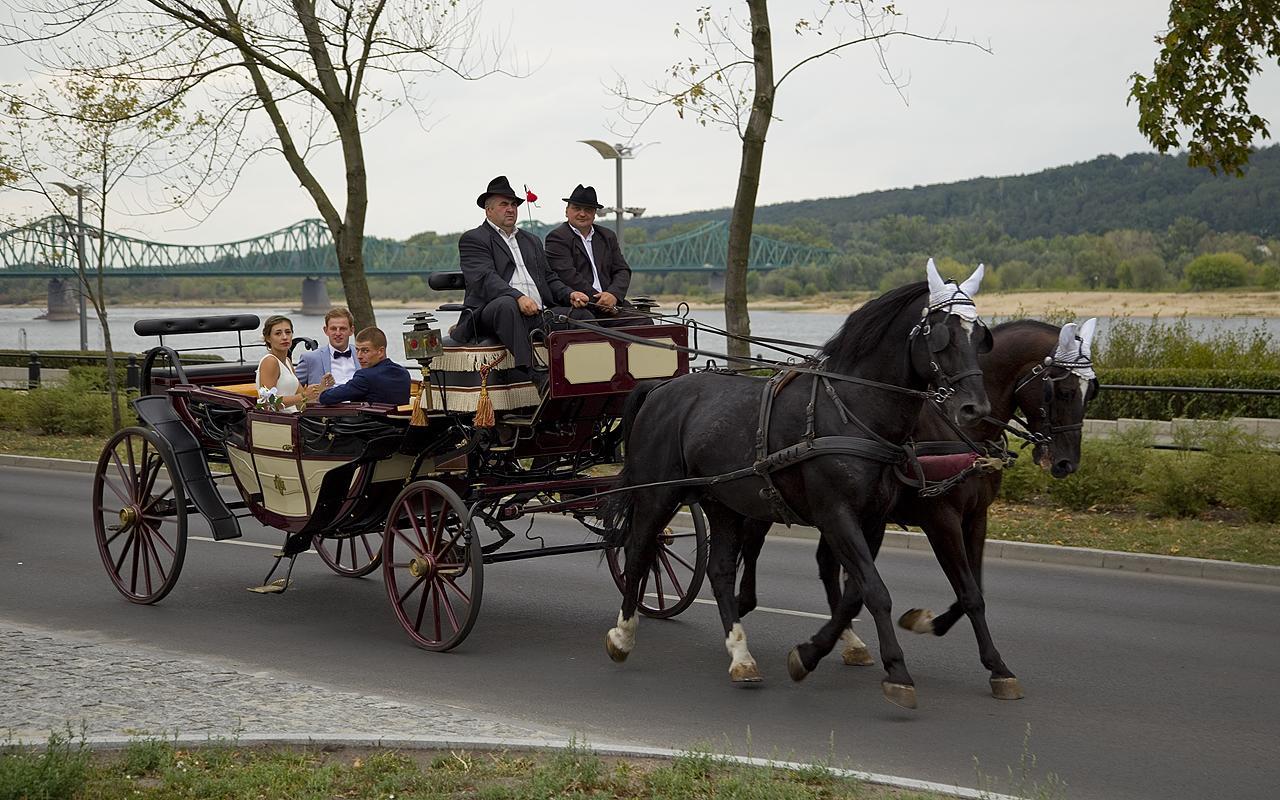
x: 157, y: 412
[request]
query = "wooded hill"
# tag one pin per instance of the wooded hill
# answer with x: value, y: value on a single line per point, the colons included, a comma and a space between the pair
x: 1138, y: 192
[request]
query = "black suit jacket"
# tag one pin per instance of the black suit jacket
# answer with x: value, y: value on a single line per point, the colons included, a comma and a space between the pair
x: 487, y: 265
x: 384, y: 382
x: 569, y: 259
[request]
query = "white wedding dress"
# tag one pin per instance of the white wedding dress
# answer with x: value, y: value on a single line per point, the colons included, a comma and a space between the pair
x: 286, y: 384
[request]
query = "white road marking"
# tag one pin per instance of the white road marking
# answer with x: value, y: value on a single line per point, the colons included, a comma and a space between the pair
x: 788, y: 612
x: 241, y: 544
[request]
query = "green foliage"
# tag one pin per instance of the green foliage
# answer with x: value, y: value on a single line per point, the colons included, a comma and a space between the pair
x: 1110, y: 472
x: 1248, y: 481
x: 1216, y: 271
x: 1181, y: 484
x: 79, y: 407
x: 57, y: 773
x: 1025, y: 480
x: 145, y: 756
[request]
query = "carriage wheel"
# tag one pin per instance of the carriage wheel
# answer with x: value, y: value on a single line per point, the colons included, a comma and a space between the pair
x: 353, y: 556
x: 432, y: 565
x: 139, y: 517
x: 672, y: 584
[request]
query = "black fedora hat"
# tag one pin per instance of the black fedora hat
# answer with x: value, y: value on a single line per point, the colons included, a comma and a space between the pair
x: 584, y: 196
x: 501, y: 187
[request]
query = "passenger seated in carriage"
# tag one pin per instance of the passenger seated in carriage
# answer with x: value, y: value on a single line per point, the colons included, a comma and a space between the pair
x: 379, y: 379
x: 587, y: 258
x: 278, y: 384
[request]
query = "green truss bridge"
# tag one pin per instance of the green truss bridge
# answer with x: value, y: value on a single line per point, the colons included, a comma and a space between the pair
x: 45, y: 249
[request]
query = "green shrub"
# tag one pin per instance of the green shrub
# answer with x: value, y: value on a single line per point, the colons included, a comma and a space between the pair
x: 1025, y: 480
x: 1174, y: 343
x: 13, y: 410
x: 1115, y: 404
x: 67, y: 409
x: 58, y: 772
x: 1217, y: 271
x: 1249, y: 483
x: 1180, y: 484
x: 1110, y: 472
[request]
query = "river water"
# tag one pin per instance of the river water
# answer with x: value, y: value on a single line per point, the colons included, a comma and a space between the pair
x: 20, y: 328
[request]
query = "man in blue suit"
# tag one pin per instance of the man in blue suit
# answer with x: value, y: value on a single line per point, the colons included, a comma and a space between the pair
x: 379, y: 379
x: 333, y: 357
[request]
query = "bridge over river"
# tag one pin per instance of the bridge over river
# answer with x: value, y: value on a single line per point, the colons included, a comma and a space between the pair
x: 46, y: 249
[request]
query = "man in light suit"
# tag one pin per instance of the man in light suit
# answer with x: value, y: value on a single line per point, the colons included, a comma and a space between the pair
x: 587, y: 257
x: 508, y: 280
x: 332, y: 363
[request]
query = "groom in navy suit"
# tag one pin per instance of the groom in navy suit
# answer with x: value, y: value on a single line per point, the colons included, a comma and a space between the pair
x: 334, y: 357
x: 379, y: 379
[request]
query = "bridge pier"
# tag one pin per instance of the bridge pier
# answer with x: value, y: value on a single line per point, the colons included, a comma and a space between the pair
x: 715, y: 282
x: 315, y: 298
x: 63, y: 300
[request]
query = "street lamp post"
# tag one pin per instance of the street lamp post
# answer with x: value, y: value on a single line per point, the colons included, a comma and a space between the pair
x: 617, y: 152
x: 78, y: 192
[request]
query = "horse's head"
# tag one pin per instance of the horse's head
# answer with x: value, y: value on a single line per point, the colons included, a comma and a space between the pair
x: 946, y: 343
x: 1054, y: 396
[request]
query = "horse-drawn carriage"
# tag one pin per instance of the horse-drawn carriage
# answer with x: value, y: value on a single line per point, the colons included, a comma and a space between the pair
x: 419, y: 490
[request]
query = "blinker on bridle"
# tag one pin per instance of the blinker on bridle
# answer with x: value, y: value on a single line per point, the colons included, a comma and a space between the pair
x: 944, y: 383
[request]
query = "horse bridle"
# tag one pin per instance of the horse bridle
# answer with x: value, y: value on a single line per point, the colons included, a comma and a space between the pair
x: 937, y: 339
x: 1047, y: 398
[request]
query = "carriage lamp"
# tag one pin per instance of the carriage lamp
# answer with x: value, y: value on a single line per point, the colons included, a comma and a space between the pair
x: 422, y: 340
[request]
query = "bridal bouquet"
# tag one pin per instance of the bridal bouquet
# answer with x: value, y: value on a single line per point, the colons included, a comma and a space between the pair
x: 268, y: 399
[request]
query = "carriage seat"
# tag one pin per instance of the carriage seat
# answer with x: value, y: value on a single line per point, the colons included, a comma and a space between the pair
x: 458, y: 369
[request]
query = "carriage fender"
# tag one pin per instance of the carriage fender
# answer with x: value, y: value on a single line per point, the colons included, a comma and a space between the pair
x: 157, y: 413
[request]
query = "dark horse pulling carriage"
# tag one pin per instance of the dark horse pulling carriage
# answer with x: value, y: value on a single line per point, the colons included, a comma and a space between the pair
x: 420, y: 490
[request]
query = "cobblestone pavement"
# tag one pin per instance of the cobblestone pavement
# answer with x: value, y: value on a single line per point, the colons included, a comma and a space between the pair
x: 49, y: 680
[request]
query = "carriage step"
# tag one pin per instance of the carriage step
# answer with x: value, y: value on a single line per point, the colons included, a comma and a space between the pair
x: 523, y: 420
x: 277, y: 586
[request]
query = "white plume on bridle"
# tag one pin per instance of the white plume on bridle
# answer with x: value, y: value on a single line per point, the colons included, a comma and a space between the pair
x: 953, y: 297
x: 1073, y: 351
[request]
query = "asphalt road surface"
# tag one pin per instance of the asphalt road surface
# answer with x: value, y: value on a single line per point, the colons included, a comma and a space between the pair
x: 1137, y: 685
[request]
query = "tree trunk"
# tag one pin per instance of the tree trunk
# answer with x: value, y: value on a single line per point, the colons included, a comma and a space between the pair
x: 742, y: 218
x: 350, y: 240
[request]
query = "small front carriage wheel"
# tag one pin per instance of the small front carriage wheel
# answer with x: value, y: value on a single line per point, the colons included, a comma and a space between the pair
x: 672, y: 584
x: 140, y: 515
x: 432, y: 565
x: 351, y: 556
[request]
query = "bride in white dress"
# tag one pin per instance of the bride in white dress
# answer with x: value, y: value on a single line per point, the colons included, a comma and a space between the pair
x: 275, y: 371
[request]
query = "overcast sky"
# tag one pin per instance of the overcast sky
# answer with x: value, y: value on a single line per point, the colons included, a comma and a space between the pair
x: 1052, y: 92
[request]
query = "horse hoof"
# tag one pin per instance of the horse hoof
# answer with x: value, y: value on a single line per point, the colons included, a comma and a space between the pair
x: 1006, y: 689
x: 746, y: 672
x: 858, y: 657
x: 899, y: 694
x: 616, y: 653
x: 795, y: 667
x: 917, y: 620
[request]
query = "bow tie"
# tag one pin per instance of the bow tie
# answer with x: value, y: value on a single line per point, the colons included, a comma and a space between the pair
x: 342, y: 354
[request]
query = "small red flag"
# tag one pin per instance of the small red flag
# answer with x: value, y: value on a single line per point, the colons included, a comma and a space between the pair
x: 528, y: 195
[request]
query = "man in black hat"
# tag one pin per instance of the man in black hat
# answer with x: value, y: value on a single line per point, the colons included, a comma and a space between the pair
x: 587, y: 257
x: 508, y: 280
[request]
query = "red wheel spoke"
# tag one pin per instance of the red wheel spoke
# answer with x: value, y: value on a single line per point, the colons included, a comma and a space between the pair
x: 124, y: 478
x: 413, y: 546
x: 412, y: 586
x: 368, y: 551
x: 421, y: 546
x: 447, y: 547
x: 133, y: 468
x: 124, y: 551
x: 158, y: 534
x: 657, y: 585
x: 448, y: 606
x: 158, y: 498
x: 676, y: 588
x: 666, y: 552
x: 461, y: 594
x: 422, y: 604
x: 150, y: 483
x: 133, y: 584
x: 435, y: 612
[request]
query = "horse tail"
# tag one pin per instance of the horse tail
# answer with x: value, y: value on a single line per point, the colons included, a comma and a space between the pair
x: 616, y: 509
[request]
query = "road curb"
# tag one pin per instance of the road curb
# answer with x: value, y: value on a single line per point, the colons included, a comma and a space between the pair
x: 540, y: 745
x: 1181, y: 566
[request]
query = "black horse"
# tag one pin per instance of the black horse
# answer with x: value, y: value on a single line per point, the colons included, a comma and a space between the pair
x: 1034, y: 368
x: 816, y: 449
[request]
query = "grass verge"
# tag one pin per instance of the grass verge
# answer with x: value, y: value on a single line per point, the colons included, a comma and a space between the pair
x: 1223, y: 537
x: 155, y: 769
x: 81, y: 448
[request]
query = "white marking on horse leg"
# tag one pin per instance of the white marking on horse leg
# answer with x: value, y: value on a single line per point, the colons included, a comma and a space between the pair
x: 851, y: 639
x: 742, y: 666
x: 623, y: 637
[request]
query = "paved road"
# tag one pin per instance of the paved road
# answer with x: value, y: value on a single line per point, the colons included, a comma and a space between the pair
x: 1137, y: 685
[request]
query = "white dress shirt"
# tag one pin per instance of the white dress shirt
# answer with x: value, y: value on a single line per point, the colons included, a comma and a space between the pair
x: 521, y: 280
x: 596, y: 283
x: 342, y: 368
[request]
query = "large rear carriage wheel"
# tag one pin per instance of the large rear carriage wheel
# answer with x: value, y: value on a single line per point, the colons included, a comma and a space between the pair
x: 139, y: 515
x: 672, y: 584
x: 432, y: 565
x: 353, y: 556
